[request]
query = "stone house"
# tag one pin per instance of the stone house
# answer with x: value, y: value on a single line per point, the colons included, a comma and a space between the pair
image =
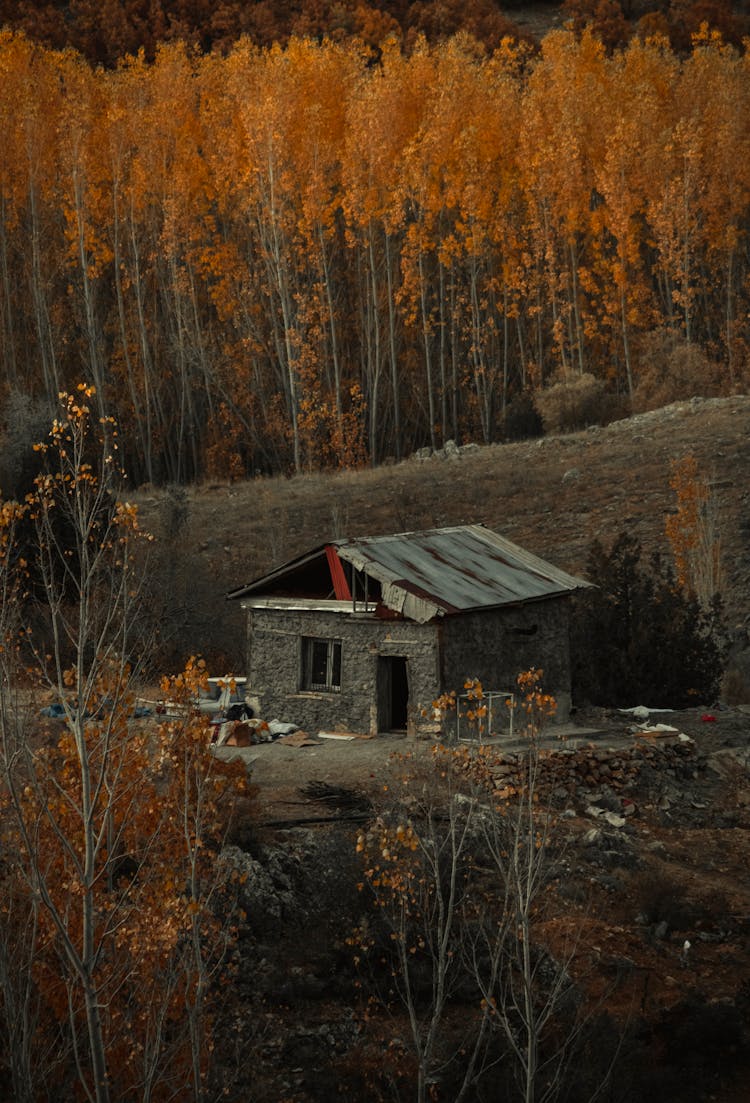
x: 363, y: 635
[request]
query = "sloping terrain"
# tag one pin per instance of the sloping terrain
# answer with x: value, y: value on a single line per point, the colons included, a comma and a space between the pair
x: 669, y: 866
x: 652, y: 838
x: 554, y: 496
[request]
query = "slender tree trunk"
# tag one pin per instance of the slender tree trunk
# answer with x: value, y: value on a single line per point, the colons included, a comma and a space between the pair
x: 442, y: 350
x: 42, y: 321
x: 8, y: 327
x: 374, y: 356
x: 626, y: 342
x: 335, y: 361
x: 455, y: 389
x: 729, y: 317
x: 93, y: 336
x: 392, y: 346
x: 146, y: 360
x: 427, y: 351
x: 579, y: 338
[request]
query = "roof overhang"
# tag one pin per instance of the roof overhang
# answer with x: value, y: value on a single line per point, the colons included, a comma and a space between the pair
x: 308, y: 605
x: 422, y: 575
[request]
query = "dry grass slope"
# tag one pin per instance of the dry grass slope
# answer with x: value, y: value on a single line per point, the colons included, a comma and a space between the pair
x: 554, y: 495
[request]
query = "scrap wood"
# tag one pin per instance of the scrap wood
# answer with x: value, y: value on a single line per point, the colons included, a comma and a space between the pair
x: 338, y: 795
x: 655, y: 731
x: 298, y: 739
x: 317, y: 821
x: 344, y: 735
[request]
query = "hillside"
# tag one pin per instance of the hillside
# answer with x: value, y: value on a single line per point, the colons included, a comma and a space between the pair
x: 631, y: 896
x: 554, y: 495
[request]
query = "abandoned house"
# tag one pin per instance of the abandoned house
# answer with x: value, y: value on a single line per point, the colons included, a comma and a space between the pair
x: 363, y: 635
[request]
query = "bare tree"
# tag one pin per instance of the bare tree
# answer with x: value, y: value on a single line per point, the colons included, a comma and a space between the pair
x: 109, y: 825
x: 522, y: 985
x: 459, y: 877
x: 416, y: 867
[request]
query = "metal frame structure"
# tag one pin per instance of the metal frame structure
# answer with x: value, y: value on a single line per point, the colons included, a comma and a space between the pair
x: 495, y: 700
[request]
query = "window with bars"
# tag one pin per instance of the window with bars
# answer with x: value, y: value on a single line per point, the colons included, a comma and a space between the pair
x: 321, y: 664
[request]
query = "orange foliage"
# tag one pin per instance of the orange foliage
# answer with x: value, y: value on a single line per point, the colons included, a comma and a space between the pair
x: 360, y: 254
x: 692, y: 532
x: 111, y: 830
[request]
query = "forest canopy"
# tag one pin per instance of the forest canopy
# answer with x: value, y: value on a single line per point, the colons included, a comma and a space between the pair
x: 298, y: 256
x: 104, y: 31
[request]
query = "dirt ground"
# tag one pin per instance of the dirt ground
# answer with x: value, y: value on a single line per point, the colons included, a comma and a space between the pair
x: 629, y: 896
x: 278, y: 772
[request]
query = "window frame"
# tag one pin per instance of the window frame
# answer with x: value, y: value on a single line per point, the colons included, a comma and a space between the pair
x: 333, y: 664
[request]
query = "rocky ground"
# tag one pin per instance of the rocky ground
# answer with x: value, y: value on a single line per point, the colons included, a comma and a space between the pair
x: 653, y: 831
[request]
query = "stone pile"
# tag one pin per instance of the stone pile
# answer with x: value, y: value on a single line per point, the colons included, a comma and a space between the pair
x: 569, y: 773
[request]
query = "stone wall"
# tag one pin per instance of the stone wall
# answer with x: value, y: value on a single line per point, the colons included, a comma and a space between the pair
x: 496, y: 645
x: 275, y: 662
x: 584, y: 774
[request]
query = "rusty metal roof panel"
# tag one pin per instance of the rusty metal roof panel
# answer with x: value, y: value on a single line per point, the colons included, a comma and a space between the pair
x: 452, y: 570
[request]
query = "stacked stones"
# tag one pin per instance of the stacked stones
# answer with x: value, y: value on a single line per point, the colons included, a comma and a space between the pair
x: 564, y: 773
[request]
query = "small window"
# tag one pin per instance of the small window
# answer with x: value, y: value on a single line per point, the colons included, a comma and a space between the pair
x: 321, y: 664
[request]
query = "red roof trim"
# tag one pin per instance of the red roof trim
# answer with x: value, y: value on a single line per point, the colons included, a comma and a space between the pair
x: 340, y: 585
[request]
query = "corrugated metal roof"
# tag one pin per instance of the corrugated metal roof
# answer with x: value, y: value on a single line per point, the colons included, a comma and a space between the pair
x: 445, y: 570
x: 453, y: 570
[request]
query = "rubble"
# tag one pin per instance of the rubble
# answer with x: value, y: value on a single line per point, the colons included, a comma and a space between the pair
x: 602, y: 779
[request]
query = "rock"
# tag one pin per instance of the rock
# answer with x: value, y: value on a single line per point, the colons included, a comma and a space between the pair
x: 609, y: 883
x: 661, y: 930
x: 503, y: 771
x: 614, y: 820
x: 610, y: 802
x: 261, y: 896
x: 572, y: 475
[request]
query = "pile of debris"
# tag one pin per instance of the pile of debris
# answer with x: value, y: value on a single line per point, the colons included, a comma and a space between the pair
x: 232, y: 731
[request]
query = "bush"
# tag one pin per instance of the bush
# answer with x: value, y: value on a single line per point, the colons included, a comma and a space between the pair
x: 668, y: 370
x: 574, y: 403
x: 522, y: 420
x: 639, y: 638
x: 24, y: 421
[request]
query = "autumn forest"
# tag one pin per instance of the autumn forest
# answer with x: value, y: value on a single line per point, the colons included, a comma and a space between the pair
x: 272, y: 259
x: 240, y: 240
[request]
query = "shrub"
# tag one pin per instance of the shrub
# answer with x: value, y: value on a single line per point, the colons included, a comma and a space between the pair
x: 573, y: 403
x: 522, y: 420
x: 638, y: 638
x: 24, y: 421
x: 667, y: 369
x: 735, y: 688
x: 663, y: 900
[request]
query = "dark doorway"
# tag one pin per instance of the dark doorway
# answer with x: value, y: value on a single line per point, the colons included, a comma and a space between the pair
x: 393, y: 693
